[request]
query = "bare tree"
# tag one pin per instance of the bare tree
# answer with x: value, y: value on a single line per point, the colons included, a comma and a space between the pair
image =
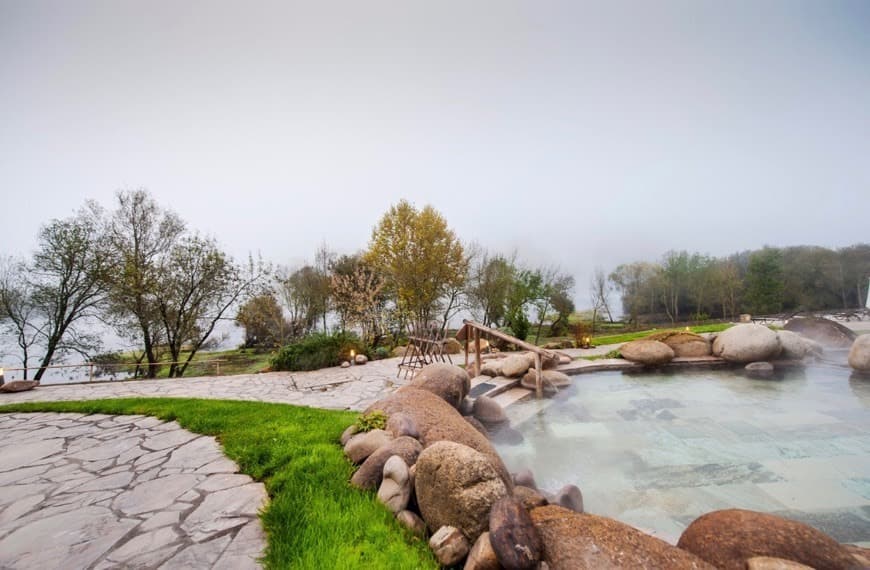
x: 18, y: 314
x: 598, y: 295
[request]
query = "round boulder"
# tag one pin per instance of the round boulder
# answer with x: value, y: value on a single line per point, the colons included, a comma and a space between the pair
x: 824, y: 331
x: 747, y: 343
x: 488, y: 411
x: 515, y: 365
x: 683, y: 343
x: 360, y: 359
x: 526, y: 478
x: 18, y: 386
x: 457, y: 486
x: 647, y: 352
x: 371, y: 472
x: 859, y: 354
x: 574, y: 541
x: 513, y: 536
x: 452, y: 346
x: 361, y: 445
x: 491, y: 368
x: 794, y: 347
x: 769, y: 563
x: 728, y: 538
x: 444, y: 380
x: 395, y: 489
x: 759, y: 370
x: 570, y: 497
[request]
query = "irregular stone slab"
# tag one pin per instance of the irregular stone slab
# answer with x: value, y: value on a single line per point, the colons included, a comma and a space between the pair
x: 154, y: 495
x: 225, y: 509
x: 15, y: 457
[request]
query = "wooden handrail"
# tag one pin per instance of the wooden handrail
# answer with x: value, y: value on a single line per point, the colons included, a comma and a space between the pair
x: 477, y: 328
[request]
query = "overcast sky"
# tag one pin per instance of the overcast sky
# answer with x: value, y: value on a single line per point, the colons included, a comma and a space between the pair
x: 581, y: 134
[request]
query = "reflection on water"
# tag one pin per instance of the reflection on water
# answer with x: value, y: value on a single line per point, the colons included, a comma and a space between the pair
x: 658, y: 450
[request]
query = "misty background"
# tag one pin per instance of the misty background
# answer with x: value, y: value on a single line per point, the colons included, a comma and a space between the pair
x: 578, y: 134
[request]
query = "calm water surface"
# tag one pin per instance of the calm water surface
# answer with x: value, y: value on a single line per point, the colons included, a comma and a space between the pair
x: 658, y: 450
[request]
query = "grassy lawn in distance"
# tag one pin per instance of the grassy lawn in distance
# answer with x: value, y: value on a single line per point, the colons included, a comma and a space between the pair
x: 314, y: 519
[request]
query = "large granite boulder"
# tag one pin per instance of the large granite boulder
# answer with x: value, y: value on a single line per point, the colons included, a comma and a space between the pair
x: 515, y: 365
x: 728, y: 538
x: 445, y: 380
x: 371, y: 472
x: 457, y: 486
x: 826, y: 332
x: 747, y: 343
x: 794, y: 346
x: 647, y: 352
x: 574, y: 541
x: 437, y: 420
x: 683, y: 343
x: 859, y: 354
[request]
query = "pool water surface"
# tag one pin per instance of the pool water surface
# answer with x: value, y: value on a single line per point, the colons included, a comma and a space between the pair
x: 657, y: 450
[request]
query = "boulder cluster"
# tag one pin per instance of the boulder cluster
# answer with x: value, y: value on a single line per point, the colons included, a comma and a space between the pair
x: 437, y: 471
x: 752, y: 345
x: 522, y: 365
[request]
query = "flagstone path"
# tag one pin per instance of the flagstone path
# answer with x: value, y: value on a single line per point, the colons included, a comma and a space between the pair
x: 99, y: 491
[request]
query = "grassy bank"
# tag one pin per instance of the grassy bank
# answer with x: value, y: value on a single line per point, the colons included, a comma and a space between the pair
x: 627, y: 337
x: 236, y: 361
x: 314, y: 519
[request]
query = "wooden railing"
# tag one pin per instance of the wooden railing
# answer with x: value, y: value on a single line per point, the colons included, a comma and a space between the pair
x: 474, y: 329
x: 92, y: 365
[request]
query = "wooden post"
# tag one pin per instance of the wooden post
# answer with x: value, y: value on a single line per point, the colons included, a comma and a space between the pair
x: 218, y: 368
x: 90, y: 372
x: 477, y: 352
x: 539, y: 381
x: 466, y: 347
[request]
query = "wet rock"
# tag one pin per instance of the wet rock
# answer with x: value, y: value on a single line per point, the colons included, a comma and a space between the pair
x: 728, y: 538
x: 449, y: 545
x: 526, y: 478
x: 530, y: 498
x: 488, y: 411
x: 647, y: 352
x: 466, y: 407
x: 361, y: 445
x: 513, y: 536
x: 482, y: 556
x: 439, y: 421
x: 859, y: 354
x: 569, y: 497
x: 824, y: 331
x: 747, y: 343
x: 451, y: 383
x: 371, y: 472
x: 794, y: 347
x: 395, y: 489
x: 457, y: 486
x: 574, y: 541
x: 759, y: 370
x: 412, y: 522
x: 400, y: 424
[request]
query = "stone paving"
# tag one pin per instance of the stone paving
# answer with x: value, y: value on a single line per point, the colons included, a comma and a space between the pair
x: 99, y: 491
x: 334, y: 388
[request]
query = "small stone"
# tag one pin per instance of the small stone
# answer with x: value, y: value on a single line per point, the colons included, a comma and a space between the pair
x: 395, y: 489
x: 449, y: 545
x: 412, y: 522
x: 348, y: 433
x: 570, y: 497
x: 360, y: 359
x: 482, y: 556
x: 345, y: 364
x: 759, y: 370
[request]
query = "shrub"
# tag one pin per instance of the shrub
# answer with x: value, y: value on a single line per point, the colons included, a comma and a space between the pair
x: 381, y: 352
x: 376, y: 419
x: 317, y: 350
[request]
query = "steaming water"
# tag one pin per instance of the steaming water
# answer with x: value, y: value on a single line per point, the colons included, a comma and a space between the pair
x: 658, y: 450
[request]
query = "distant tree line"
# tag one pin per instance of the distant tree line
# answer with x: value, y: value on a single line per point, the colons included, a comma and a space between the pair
x: 415, y: 270
x: 136, y: 268
x: 687, y: 286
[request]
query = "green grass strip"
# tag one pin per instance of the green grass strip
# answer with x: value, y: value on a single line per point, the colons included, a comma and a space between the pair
x: 314, y: 519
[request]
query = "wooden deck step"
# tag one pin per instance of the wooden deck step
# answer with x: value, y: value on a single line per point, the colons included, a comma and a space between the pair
x: 492, y: 386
